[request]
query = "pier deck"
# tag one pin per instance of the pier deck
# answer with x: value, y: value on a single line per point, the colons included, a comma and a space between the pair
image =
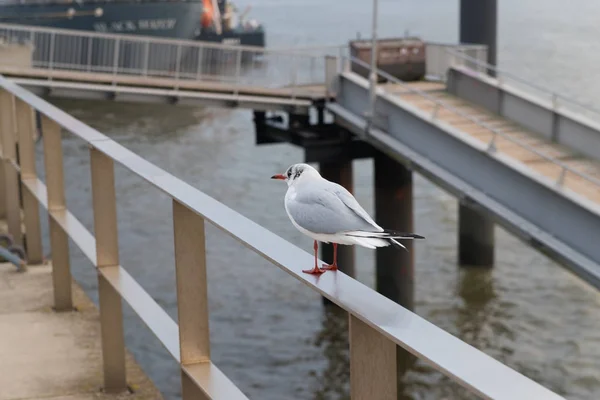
x: 53, y: 355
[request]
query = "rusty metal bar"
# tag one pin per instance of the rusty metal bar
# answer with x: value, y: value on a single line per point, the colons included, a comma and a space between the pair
x: 11, y: 173
x: 372, y: 363
x: 31, y: 209
x: 107, y: 255
x: 55, y: 197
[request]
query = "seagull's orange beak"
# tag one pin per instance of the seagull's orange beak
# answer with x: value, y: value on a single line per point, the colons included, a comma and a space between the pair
x: 278, y: 176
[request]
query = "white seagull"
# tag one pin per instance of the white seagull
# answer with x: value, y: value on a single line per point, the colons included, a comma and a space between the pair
x: 328, y: 213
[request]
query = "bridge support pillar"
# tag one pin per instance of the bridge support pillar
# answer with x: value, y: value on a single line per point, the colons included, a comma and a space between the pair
x: 478, y: 25
x: 394, y: 210
x: 475, y: 238
x: 394, y: 266
x: 339, y: 172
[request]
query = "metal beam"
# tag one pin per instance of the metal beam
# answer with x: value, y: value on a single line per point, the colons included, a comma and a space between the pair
x: 130, y: 94
x: 565, y: 228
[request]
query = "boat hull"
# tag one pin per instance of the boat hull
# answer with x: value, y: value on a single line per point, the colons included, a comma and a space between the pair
x: 172, y: 19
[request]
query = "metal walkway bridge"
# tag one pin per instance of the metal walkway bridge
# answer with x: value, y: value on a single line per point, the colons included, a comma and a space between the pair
x: 527, y: 160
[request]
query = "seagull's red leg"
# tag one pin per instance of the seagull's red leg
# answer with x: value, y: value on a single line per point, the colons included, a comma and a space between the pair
x: 334, y: 266
x: 315, y: 270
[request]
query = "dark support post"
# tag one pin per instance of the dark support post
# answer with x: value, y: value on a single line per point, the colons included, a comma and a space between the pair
x: 394, y: 210
x: 339, y: 172
x: 478, y: 25
x: 475, y: 238
x: 395, y: 266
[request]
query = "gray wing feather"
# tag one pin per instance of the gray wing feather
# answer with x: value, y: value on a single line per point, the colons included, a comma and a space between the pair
x: 350, y: 202
x: 326, y: 209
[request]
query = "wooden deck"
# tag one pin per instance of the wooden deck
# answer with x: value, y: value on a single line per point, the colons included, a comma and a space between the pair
x: 504, y: 145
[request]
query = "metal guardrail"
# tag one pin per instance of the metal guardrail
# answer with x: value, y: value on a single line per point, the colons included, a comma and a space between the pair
x: 377, y: 324
x: 480, y: 66
x: 440, y: 56
x: 107, y: 53
x: 491, y: 145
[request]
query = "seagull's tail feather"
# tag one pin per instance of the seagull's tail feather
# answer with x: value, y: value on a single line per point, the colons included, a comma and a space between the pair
x: 381, y: 239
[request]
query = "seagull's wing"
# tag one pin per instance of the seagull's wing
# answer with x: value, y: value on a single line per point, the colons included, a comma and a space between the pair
x: 318, y: 208
x: 348, y: 199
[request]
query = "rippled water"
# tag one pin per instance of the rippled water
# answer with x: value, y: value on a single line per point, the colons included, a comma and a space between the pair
x: 270, y: 334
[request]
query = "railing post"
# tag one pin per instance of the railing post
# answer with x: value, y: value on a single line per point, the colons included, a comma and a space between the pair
x: 31, y: 208
x: 51, y: 60
x: 107, y: 255
x: 116, y: 57
x: 192, y: 292
x: 178, y: 61
x: 89, y: 54
x: 3, y: 187
x: 199, y: 69
x: 331, y: 75
x: 59, y: 240
x: 238, y: 70
x: 294, y: 77
x: 146, y: 57
x: 11, y: 174
x: 372, y: 363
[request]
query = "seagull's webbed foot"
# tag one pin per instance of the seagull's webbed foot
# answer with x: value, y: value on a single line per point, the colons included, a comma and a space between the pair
x: 314, y: 271
x: 329, y: 267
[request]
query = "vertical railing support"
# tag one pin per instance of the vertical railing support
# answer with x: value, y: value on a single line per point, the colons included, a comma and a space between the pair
x: 331, y: 76
x: 372, y: 363
x: 192, y: 291
x: 3, y: 187
x: 31, y: 208
x: 199, y: 68
x: 238, y: 71
x: 11, y: 174
x: 178, y: 63
x: 59, y: 240
x: 116, y: 53
x: 107, y: 255
x: 146, y: 57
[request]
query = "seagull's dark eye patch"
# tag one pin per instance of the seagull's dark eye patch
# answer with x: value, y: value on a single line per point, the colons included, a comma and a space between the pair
x: 298, y: 173
x: 289, y: 172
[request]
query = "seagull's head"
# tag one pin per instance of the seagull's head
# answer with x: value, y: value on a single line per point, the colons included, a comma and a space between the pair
x: 297, y: 172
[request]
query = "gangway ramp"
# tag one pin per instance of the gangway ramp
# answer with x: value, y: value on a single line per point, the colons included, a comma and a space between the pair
x: 545, y: 192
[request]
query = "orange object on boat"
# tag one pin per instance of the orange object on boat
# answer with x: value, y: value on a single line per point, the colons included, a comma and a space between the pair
x: 208, y: 13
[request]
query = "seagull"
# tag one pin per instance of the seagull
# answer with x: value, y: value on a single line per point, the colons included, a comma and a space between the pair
x: 328, y: 213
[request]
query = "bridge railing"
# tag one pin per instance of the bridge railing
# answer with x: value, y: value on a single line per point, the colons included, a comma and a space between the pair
x: 377, y: 324
x: 439, y: 106
x: 151, y: 57
x: 480, y: 67
x: 441, y: 56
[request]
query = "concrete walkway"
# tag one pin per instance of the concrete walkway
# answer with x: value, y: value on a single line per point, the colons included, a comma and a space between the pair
x: 53, y: 356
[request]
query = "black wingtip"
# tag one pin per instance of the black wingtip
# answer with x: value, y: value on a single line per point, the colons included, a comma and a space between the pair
x: 406, y: 235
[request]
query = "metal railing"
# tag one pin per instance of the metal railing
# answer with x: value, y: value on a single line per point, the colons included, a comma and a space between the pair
x: 441, y: 56
x: 556, y: 100
x: 377, y: 324
x: 439, y: 105
x: 141, y: 56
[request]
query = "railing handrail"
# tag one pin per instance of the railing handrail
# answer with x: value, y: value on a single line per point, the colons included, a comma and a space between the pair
x: 463, y: 363
x: 162, y: 40
x: 553, y: 93
x: 496, y: 132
